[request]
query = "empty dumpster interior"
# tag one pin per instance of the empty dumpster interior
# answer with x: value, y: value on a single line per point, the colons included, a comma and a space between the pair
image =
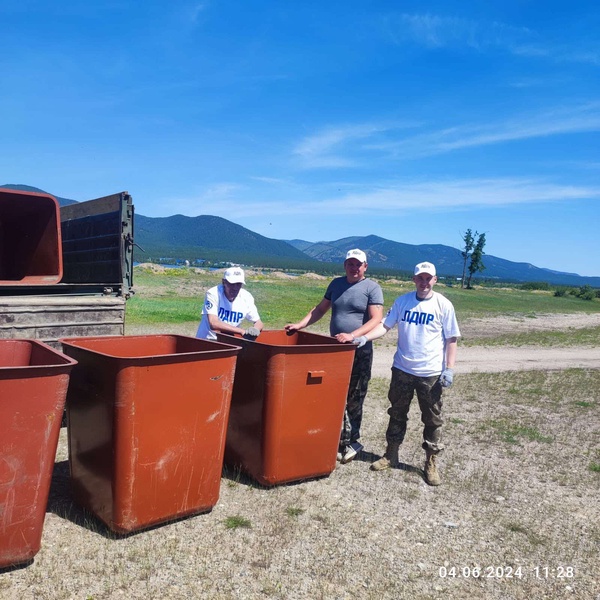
x: 30, y: 240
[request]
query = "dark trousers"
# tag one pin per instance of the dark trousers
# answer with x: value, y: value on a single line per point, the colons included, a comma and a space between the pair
x: 359, y: 384
x: 429, y: 394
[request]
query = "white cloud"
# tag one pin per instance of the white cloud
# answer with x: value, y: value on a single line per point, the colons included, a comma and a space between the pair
x: 584, y: 118
x: 209, y: 201
x: 401, y: 197
x: 271, y: 180
x: 333, y: 146
x: 316, y: 150
x: 354, y: 145
x: 434, y: 31
x: 591, y: 57
x: 459, y: 194
x: 195, y: 11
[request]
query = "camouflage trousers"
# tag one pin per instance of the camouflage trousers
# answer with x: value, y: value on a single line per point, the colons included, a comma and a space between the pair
x: 429, y: 394
x: 357, y: 391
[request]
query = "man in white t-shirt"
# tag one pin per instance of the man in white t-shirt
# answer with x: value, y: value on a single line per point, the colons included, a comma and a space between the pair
x: 423, y: 363
x: 226, y: 305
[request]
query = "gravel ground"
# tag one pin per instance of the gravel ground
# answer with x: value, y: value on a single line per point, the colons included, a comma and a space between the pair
x: 516, y: 516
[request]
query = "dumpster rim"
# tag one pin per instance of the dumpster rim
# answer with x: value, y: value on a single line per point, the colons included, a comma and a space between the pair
x: 224, y: 351
x: 336, y: 347
x: 67, y: 361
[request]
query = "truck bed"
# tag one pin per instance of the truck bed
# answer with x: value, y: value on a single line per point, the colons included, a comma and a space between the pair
x: 97, y: 256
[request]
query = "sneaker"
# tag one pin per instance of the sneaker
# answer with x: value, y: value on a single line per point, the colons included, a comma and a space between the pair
x: 339, y: 456
x: 351, y: 451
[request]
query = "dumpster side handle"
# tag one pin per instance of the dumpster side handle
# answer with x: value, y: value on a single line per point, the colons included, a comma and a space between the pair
x: 315, y: 377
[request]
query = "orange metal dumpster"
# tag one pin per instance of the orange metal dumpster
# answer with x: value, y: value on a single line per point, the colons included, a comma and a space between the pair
x: 33, y: 387
x: 146, y: 420
x: 30, y: 238
x: 288, y: 405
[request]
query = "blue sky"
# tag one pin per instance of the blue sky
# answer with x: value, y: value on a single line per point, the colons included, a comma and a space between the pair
x: 411, y: 120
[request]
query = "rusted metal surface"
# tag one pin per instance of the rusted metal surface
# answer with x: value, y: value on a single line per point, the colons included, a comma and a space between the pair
x: 287, y: 405
x: 146, y: 421
x: 33, y: 386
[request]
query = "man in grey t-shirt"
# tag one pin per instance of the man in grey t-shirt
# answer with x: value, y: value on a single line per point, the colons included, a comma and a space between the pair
x: 356, y: 308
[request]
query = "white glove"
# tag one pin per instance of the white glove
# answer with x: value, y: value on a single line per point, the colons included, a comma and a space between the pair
x: 360, y: 341
x: 447, y: 377
x: 252, y: 333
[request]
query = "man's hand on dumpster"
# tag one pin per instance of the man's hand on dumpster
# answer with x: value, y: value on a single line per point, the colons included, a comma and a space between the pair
x: 345, y: 338
x: 251, y: 333
x: 447, y: 377
x: 291, y: 328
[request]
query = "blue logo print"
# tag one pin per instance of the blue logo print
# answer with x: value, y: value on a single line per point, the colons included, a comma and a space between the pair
x: 418, y: 318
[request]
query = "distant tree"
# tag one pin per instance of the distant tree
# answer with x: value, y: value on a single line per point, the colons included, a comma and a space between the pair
x: 476, y: 265
x: 586, y: 292
x: 469, y: 242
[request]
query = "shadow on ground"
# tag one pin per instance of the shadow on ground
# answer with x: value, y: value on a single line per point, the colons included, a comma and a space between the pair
x: 61, y: 503
x: 370, y: 457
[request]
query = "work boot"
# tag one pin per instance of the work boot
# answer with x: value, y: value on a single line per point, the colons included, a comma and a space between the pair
x: 389, y: 459
x: 432, y: 475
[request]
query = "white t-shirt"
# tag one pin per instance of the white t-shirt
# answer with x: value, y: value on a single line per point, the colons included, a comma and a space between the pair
x: 423, y: 328
x: 232, y: 313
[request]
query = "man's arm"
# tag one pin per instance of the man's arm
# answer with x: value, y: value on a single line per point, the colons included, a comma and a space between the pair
x: 377, y: 332
x: 451, y: 347
x: 375, y: 317
x: 312, y: 317
x: 447, y: 376
x: 217, y: 325
x: 374, y: 334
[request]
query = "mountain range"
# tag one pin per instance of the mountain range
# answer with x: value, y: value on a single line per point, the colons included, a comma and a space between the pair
x: 216, y: 239
x: 389, y: 255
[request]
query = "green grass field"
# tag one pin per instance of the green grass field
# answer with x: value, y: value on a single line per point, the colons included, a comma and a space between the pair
x: 176, y: 296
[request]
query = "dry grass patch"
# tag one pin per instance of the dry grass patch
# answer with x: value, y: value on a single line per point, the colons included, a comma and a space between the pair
x: 520, y: 490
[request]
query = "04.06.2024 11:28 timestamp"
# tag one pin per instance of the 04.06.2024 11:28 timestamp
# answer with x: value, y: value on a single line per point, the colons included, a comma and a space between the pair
x: 507, y: 572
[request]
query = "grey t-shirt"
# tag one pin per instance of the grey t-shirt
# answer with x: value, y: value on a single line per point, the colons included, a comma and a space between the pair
x: 350, y: 303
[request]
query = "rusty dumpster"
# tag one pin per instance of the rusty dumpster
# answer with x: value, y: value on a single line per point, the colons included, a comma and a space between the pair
x: 33, y: 386
x: 146, y: 420
x: 287, y: 406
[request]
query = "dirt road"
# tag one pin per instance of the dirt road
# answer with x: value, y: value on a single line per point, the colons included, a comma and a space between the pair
x: 494, y: 359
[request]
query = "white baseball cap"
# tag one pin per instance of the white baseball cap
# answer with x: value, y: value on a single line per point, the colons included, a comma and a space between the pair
x: 425, y: 267
x: 356, y: 253
x: 234, y: 275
